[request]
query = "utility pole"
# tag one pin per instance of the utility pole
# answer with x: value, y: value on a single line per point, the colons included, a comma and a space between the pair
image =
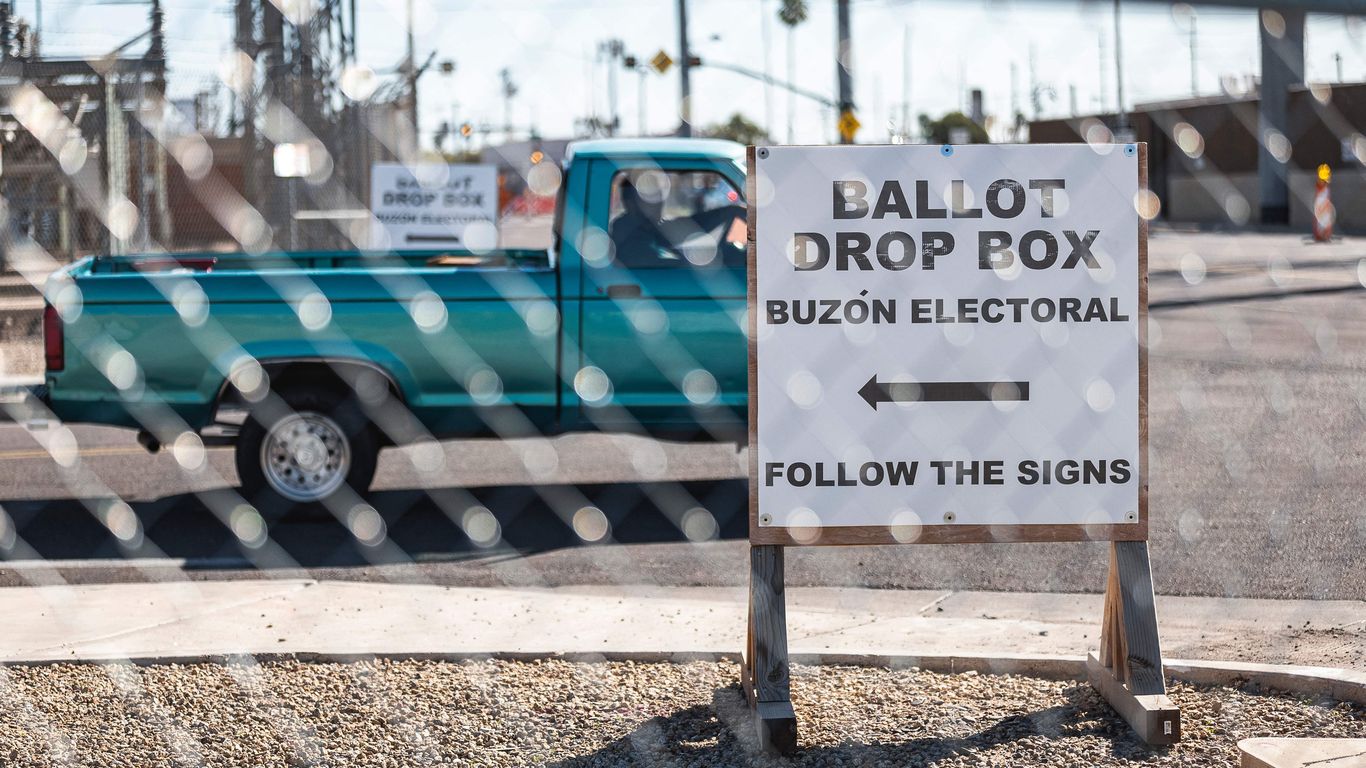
x: 1337, y: 59
x: 1035, y: 103
x: 1103, y: 69
x: 631, y: 62
x: 614, y: 49
x: 684, y: 70
x: 844, y: 63
x: 155, y: 50
x: 590, y: 91
x: 877, y: 100
x: 245, y: 40
x: 1119, y: 75
x: 509, y: 91
x: 410, y: 73
x: 791, y: 77
x: 766, y: 29
x: 641, y: 95
x: 791, y: 13
x: 906, y: 82
x: 275, y: 199
x: 962, y: 86
x: 1195, y: 71
x: 1014, y: 99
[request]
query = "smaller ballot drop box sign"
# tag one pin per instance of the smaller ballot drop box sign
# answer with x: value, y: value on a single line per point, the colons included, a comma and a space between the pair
x: 433, y: 206
x: 946, y: 343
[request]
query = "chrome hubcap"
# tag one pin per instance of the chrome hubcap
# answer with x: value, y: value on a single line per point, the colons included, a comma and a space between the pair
x: 306, y: 456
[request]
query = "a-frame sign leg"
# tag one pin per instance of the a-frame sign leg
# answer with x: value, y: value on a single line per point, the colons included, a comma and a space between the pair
x: 764, y: 672
x: 1128, y: 672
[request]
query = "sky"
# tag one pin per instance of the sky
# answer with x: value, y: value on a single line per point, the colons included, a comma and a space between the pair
x: 551, y: 48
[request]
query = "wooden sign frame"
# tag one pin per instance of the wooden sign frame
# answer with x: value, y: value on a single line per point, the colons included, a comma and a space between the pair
x: 946, y: 533
x: 1127, y: 671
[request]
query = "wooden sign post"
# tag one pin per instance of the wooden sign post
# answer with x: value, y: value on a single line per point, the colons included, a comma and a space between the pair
x: 947, y: 344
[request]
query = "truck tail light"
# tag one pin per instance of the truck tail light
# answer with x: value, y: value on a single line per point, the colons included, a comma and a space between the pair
x: 54, y: 345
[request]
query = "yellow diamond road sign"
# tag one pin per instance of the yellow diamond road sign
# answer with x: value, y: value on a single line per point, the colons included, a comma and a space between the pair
x: 661, y: 62
x: 848, y: 125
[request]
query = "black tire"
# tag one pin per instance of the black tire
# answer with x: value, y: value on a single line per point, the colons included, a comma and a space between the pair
x: 341, y: 409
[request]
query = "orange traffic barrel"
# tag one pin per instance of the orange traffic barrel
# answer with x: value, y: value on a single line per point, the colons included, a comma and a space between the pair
x: 1324, y: 214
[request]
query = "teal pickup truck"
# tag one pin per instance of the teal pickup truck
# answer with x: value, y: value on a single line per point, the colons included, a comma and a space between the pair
x: 311, y: 362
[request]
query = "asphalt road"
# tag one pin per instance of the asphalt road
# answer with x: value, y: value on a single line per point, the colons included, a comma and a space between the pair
x: 1258, y: 385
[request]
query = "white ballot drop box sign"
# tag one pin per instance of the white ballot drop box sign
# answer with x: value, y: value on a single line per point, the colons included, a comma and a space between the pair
x: 433, y: 205
x: 946, y: 343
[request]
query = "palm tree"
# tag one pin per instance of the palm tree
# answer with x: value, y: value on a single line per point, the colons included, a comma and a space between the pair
x: 792, y: 12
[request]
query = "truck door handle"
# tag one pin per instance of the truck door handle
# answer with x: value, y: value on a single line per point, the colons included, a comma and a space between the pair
x: 623, y: 291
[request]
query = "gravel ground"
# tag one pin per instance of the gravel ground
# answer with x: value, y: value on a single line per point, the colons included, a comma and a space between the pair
x: 495, y: 713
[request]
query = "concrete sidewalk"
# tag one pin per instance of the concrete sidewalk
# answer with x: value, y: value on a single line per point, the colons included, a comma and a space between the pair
x: 188, y: 619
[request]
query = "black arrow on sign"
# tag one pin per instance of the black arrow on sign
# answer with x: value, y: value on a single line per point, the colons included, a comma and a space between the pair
x: 875, y: 391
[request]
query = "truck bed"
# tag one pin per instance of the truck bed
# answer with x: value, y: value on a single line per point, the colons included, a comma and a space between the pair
x: 213, y: 261
x: 432, y: 321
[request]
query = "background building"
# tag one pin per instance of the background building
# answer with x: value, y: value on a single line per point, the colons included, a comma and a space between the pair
x: 1203, y: 152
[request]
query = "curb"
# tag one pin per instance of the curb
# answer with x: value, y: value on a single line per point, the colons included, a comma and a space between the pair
x: 1338, y: 684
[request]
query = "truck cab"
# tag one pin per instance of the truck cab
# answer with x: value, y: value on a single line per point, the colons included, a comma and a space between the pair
x: 661, y: 308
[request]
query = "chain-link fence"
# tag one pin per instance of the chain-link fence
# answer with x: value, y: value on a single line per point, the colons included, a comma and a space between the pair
x: 254, y: 371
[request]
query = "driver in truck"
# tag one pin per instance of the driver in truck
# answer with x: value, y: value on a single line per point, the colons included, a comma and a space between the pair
x: 637, y: 234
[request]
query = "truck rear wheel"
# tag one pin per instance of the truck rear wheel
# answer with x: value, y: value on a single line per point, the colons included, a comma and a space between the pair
x: 303, y: 450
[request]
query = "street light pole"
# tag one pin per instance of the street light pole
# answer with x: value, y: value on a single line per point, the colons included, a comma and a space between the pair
x: 843, y: 65
x: 823, y: 100
x: 684, y: 69
x: 1119, y: 75
x: 642, y: 72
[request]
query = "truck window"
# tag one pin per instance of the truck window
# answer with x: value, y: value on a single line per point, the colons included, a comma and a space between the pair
x: 661, y: 218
